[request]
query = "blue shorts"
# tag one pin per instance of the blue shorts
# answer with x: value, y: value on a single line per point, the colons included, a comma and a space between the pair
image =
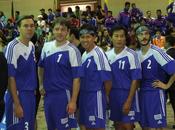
x: 116, y: 101
x: 92, y: 107
x: 27, y: 100
x: 153, y: 111
x: 55, y: 105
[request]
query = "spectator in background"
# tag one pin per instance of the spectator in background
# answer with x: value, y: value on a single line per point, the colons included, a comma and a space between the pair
x: 3, y: 74
x: 17, y: 15
x: 45, y: 17
x: 51, y: 16
x: 124, y: 17
x: 160, y: 22
x: 77, y: 12
x: 158, y: 39
x: 171, y: 12
x: 136, y: 13
x: 110, y: 21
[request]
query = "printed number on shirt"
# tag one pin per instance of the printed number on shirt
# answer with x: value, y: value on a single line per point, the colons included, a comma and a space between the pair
x: 59, y: 58
x: 26, y: 126
x: 121, y: 64
x: 149, y: 64
x: 89, y: 61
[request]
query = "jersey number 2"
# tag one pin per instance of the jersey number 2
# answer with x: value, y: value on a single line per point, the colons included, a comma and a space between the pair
x: 149, y: 64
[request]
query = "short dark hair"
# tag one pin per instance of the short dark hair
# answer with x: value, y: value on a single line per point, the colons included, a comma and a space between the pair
x: 75, y: 32
x: 127, y: 3
x: 117, y: 28
x: 61, y: 21
x: 171, y: 40
x: 23, y: 18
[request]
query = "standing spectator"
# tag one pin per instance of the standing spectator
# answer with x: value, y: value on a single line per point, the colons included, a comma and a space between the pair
x: 3, y: 74
x: 97, y: 79
x: 59, y: 75
x: 17, y: 15
x: 77, y: 12
x: 160, y: 22
x: 126, y: 71
x: 45, y: 17
x: 110, y: 21
x: 20, y: 97
x: 156, y: 64
x: 136, y: 13
x: 171, y: 12
x: 51, y: 16
x: 124, y: 17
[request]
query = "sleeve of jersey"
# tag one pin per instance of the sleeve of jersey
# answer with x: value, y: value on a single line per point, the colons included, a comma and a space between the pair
x: 135, y: 66
x: 76, y: 64
x: 42, y: 57
x: 11, y: 61
x: 166, y: 61
x: 103, y: 66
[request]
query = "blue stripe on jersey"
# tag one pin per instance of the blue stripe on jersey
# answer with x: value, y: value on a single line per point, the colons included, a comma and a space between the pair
x: 9, y: 51
x: 77, y: 53
x: 100, y: 57
x: 135, y: 57
x: 161, y: 52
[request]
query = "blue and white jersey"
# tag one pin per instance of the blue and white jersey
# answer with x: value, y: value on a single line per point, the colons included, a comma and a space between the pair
x: 96, y: 70
x: 61, y: 65
x: 21, y: 64
x: 156, y: 64
x: 125, y: 68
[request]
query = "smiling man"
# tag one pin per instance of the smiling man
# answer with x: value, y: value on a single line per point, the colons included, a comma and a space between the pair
x: 20, y: 97
x: 59, y: 75
x: 97, y: 79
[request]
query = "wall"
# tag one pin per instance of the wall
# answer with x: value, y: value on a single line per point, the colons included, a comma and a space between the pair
x: 25, y: 6
x: 33, y: 6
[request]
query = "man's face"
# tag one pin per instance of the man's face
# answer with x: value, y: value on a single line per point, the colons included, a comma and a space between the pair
x: 27, y: 28
x: 87, y: 41
x: 119, y: 39
x: 143, y: 37
x: 60, y: 32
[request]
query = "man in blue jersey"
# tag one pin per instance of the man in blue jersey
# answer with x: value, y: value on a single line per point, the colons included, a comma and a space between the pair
x: 126, y: 71
x: 97, y: 79
x: 171, y: 12
x: 20, y: 97
x: 124, y: 17
x: 156, y: 64
x: 59, y: 75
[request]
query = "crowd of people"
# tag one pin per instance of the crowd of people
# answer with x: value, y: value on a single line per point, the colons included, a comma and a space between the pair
x: 85, y: 63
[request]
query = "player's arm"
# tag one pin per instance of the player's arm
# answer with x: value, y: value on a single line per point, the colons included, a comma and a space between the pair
x: 72, y: 104
x: 160, y: 84
x: 128, y: 102
x: 17, y: 106
x: 40, y: 77
x: 108, y: 86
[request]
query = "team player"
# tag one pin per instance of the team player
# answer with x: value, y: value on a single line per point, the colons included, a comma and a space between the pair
x: 20, y: 97
x: 126, y: 72
x: 156, y: 64
x: 97, y: 79
x: 59, y: 75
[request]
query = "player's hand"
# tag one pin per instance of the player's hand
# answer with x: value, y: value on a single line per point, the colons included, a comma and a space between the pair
x: 126, y: 107
x: 18, y: 111
x: 71, y: 107
x: 42, y: 91
x: 159, y: 84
